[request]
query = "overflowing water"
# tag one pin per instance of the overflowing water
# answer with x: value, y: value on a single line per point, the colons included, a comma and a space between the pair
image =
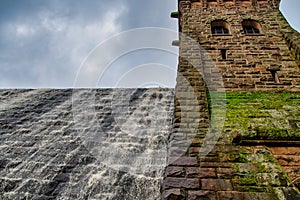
x: 84, y: 144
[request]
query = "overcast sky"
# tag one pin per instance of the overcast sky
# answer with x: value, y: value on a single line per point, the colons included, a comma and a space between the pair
x: 44, y: 43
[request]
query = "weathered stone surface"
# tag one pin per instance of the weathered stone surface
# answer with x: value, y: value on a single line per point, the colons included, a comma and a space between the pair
x: 175, y: 171
x: 247, y: 62
x: 203, y: 195
x: 184, y: 161
x: 173, y: 194
x: 216, y: 184
x: 249, y: 65
x: 206, y: 173
x: 184, y: 183
x: 227, y: 195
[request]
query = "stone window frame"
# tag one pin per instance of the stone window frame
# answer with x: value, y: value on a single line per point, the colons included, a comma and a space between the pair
x: 255, y: 26
x: 220, y: 23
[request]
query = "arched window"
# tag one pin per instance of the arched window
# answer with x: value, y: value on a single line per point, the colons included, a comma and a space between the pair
x: 220, y: 27
x: 251, y: 27
x: 196, y: 2
x: 212, y: 2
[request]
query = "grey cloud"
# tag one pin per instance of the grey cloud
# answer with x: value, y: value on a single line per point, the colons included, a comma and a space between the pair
x: 43, y: 43
x: 43, y: 46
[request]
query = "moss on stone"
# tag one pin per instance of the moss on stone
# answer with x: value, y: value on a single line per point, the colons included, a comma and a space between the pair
x: 263, y: 115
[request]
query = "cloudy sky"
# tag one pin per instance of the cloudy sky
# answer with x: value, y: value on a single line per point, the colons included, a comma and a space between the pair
x: 45, y: 43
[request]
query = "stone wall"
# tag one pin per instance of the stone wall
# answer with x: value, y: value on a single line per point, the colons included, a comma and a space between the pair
x: 250, y: 60
x: 248, y: 161
x: 251, y: 63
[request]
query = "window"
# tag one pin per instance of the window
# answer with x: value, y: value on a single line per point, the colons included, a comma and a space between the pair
x: 220, y: 27
x: 275, y: 76
x: 251, y: 27
x: 250, y: 30
x: 196, y: 2
x: 224, y: 54
x: 212, y: 2
x: 219, y: 30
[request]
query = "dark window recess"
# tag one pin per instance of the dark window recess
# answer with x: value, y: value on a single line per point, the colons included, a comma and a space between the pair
x: 250, y: 30
x: 224, y: 54
x: 219, y: 30
x: 275, y: 76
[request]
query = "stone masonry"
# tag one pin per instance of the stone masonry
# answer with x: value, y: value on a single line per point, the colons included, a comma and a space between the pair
x: 250, y: 59
x: 265, y: 61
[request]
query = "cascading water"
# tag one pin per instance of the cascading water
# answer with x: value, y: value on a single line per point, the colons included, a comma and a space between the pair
x: 84, y: 143
x: 130, y: 140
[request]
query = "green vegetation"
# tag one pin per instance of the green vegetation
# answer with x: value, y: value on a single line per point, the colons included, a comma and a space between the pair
x: 250, y: 179
x: 263, y: 115
x: 242, y: 157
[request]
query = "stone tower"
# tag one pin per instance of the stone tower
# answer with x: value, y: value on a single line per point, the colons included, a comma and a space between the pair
x: 241, y: 49
x: 249, y: 40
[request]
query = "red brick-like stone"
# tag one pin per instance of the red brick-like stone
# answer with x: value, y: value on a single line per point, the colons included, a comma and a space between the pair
x: 173, y: 194
x: 184, y: 161
x: 216, y: 184
x: 225, y: 172
x: 175, y: 171
x: 188, y: 183
x: 228, y: 195
x: 192, y: 172
x: 202, y: 195
x: 207, y: 173
x: 201, y: 172
x: 216, y: 164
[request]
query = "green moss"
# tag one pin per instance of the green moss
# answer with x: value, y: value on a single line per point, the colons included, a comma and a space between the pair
x: 241, y: 157
x: 268, y: 156
x: 262, y: 168
x: 263, y: 115
x: 237, y: 166
x: 248, y: 180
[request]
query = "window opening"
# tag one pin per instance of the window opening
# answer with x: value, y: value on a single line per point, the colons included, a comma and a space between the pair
x: 220, y: 30
x: 275, y: 76
x: 250, y: 30
x: 224, y: 54
x: 220, y: 27
x: 251, y: 27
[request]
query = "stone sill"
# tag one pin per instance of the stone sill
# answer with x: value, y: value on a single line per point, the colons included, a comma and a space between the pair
x: 254, y: 35
x: 221, y: 35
